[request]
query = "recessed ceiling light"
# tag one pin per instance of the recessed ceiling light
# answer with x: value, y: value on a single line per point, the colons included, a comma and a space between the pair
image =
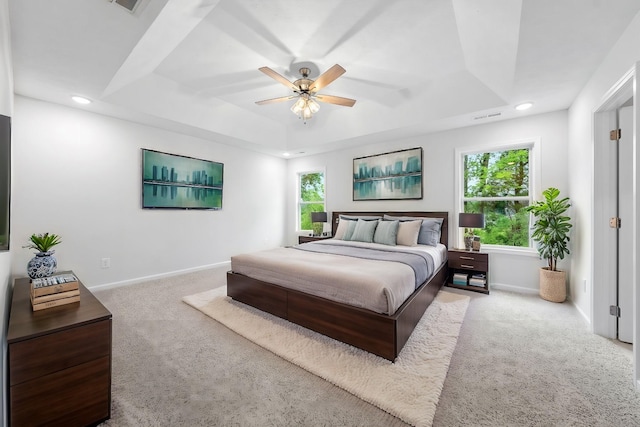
x: 286, y: 154
x: 524, y: 106
x: 81, y: 100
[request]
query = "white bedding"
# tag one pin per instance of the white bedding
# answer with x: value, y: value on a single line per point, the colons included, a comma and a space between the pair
x: 380, y: 286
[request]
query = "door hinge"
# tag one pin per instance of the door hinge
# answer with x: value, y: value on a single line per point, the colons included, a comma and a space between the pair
x: 615, y: 134
x: 615, y: 222
x: 614, y: 310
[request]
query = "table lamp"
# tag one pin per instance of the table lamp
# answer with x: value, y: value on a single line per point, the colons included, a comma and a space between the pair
x: 471, y: 221
x: 318, y: 219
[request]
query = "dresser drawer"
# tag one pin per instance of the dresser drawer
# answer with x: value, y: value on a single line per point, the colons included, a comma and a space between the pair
x: 77, y: 396
x: 33, y: 358
x: 468, y: 261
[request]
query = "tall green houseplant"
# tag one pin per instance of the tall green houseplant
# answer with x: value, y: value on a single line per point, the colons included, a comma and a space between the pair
x: 551, y: 227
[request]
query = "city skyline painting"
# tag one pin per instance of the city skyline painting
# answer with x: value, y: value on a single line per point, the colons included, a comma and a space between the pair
x: 179, y: 182
x: 389, y: 176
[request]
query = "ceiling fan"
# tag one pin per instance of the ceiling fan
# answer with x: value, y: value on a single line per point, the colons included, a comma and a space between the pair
x: 306, y: 90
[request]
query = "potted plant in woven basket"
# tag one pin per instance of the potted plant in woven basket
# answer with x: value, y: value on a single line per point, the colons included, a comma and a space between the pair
x: 551, y: 232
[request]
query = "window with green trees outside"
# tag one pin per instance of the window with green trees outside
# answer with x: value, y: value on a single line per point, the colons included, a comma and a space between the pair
x: 498, y: 184
x: 311, y: 190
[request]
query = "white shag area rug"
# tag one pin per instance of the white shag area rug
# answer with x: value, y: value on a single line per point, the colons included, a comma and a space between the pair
x: 408, y: 389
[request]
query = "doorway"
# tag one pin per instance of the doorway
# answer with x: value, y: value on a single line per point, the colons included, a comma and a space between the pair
x: 603, y: 294
x: 624, y: 231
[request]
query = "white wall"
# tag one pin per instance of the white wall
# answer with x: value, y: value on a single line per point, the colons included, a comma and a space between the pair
x: 508, y: 270
x: 581, y: 162
x: 78, y: 174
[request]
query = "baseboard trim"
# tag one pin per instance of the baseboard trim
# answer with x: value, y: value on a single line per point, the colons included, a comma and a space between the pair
x: 583, y: 314
x: 159, y: 276
x: 512, y: 288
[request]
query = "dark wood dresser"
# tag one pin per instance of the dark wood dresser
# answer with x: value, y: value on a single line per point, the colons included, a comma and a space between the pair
x: 59, y: 361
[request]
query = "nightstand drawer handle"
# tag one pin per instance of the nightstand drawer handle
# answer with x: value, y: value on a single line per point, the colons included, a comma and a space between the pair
x: 466, y: 266
x: 467, y: 257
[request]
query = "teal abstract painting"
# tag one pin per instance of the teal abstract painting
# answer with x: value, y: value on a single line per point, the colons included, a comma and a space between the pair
x: 388, y: 176
x: 180, y: 182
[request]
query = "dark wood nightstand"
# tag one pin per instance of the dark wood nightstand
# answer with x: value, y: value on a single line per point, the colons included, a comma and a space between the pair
x: 307, y: 239
x: 468, y: 270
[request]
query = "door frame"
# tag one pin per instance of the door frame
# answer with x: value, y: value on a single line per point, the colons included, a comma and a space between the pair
x: 604, y: 248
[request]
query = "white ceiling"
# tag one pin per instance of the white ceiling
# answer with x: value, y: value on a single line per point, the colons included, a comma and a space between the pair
x: 414, y: 66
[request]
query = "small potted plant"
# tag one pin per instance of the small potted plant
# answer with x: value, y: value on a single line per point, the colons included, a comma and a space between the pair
x: 44, y: 263
x: 551, y: 232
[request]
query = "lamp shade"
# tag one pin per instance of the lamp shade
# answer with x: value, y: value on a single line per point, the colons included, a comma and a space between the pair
x: 318, y: 217
x: 471, y: 220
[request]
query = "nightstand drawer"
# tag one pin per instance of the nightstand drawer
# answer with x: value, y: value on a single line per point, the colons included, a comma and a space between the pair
x: 468, y: 261
x: 307, y: 239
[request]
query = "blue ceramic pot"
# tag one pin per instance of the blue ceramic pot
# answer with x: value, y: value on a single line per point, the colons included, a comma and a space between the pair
x: 42, y: 265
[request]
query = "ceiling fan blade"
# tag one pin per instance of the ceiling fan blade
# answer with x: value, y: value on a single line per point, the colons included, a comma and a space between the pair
x: 278, y: 77
x: 274, y: 100
x: 338, y: 100
x: 327, y: 77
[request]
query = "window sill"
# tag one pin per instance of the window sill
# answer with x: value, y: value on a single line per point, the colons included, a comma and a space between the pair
x: 505, y: 250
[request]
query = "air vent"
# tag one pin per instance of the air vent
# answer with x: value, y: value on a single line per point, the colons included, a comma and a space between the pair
x: 487, y: 116
x: 130, y: 5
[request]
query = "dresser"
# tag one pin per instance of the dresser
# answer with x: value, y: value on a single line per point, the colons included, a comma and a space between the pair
x: 59, y: 361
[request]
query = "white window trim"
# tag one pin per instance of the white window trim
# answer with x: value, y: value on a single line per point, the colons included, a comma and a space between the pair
x: 299, y: 196
x: 534, y: 167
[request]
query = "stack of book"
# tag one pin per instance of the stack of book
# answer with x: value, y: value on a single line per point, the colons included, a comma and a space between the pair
x: 479, y: 280
x: 53, y: 291
x: 460, y: 279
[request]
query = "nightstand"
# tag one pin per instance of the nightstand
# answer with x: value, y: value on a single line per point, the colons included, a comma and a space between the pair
x: 468, y: 270
x: 307, y: 239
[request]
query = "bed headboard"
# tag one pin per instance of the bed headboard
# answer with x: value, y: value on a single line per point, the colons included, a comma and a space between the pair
x: 444, y: 235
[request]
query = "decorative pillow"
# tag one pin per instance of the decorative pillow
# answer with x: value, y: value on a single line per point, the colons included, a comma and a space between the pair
x: 408, y: 232
x: 429, y: 231
x: 386, y: 232
x: 351, y: 227
x: 364, y: 231
x: 342, y: 228
x: 344, y: 222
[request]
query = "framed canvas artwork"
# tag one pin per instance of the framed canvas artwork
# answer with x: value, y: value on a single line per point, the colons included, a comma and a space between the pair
x: 172, y: 181
x: 388, y: 176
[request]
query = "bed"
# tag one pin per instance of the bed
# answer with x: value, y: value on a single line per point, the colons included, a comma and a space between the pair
x: 367, y: 328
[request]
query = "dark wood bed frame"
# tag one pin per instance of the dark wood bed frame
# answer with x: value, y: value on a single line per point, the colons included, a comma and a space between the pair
x: 376, y: 333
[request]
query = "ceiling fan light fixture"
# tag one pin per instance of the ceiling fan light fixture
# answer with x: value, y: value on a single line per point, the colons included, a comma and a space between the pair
x: 305, y: 107
x: 306, y: 90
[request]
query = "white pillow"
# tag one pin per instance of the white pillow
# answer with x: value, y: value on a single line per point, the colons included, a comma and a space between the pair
x: 408, y: 232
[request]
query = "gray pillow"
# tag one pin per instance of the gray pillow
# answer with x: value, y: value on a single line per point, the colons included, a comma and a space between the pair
x: 363, y: 231
x: 430, y: 229
x: 386, y: 232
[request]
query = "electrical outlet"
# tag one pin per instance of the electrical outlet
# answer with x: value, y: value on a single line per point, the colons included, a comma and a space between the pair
x: 106, y: 262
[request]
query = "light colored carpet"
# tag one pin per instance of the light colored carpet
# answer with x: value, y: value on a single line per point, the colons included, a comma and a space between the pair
x: 519, y: 361
x: 408, y: 389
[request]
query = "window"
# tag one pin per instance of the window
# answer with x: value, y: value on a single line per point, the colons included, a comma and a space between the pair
x: 311, y: 191
x: 498, y: 182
